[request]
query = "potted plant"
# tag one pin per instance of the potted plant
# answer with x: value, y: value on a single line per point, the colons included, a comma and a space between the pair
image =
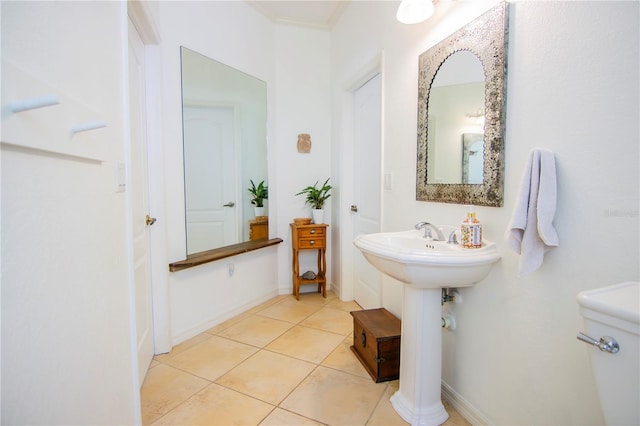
x: 315, y: 197
x: 258, y: 195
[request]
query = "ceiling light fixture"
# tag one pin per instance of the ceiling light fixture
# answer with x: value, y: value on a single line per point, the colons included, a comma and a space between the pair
x: 414, y: 11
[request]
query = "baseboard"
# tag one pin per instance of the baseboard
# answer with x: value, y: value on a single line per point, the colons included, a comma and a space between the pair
x: 462, y: 406
x: 222, y: 317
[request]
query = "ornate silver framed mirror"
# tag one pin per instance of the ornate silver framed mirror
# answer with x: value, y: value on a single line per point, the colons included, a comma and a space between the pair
x: 451, y: 107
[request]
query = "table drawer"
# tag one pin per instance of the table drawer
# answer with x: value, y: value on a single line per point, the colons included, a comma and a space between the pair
x: 314, y: 242
x: 311, y: 232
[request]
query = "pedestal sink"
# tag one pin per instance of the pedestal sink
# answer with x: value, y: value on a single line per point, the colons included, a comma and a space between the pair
x: 426, y: 267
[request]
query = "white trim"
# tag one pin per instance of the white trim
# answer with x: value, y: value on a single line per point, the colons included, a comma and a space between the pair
x: 464, y: 407
x: 145, y: 25
x: 143, y: 21
x: 155, y: 165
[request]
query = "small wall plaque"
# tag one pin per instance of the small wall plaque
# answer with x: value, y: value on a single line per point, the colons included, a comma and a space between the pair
x: 304, y: 143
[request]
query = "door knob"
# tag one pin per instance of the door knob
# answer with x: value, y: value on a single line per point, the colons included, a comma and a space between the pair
x: 229, y: 204
x: 149, y: 220
x: 354, y: 208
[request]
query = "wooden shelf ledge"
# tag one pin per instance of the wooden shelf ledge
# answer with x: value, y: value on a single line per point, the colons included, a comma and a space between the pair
x: 201, y: 258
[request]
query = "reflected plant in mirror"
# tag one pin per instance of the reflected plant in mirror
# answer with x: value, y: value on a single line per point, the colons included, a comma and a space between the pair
x: 259, y: 193
x: 461, y: 114
x: 224, y: 115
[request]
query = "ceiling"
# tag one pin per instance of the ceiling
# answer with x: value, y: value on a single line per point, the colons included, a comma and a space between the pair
x: 320, y: 14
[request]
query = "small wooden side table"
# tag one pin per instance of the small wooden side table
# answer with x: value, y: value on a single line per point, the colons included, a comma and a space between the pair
x: 258, y: 229
x: 309, y: 237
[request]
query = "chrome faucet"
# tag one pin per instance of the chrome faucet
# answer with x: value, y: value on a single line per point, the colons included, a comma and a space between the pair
x: 428, y: 227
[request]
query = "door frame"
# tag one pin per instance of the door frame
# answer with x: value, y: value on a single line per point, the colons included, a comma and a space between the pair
x: 347, y: 178
x: 144, y: 23
x: 368, y: 299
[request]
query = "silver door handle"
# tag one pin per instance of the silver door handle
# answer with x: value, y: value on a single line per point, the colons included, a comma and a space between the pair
x: 229, y: 204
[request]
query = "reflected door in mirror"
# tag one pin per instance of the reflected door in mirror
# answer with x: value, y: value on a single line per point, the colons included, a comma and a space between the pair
x: 225, y: 147
x: 210, y: 190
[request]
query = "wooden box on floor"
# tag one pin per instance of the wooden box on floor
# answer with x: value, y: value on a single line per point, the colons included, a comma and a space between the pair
x: 376, y: 343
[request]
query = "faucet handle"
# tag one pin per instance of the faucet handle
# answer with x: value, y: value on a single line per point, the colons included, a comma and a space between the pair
x: 427, y: 233
x: 453, y: 239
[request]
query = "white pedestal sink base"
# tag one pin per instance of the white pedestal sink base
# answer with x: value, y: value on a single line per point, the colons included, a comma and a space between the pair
x: 418, y: 401
x: 425, y: 267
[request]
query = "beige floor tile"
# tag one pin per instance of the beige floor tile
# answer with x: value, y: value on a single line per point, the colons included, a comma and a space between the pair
x: 280, y: 417
x: 182, y: 347
x: 306, y: 343
x: 384, y: 414
x: 216, y: 405
x: 267, y: 376
x: 164, y: 388
x: 343, y: 359
x: 256, y: 330
x: 249, y: 379
x: 335, y: 398
x: 314, y: 298
x: 345, y: 306
x: 268, y: 303
x: 228, y: 323
x: 212, y: 358
x: 329, y: 319
x: 289, y: 310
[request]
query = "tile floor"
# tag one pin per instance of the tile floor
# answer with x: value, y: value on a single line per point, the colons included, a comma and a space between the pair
x: 285, y: 362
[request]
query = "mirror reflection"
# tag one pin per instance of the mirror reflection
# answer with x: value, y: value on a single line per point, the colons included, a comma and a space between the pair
x: 461, y: 114
x: 472, y: 158
x: 224, y: 115
x: 456, y: 108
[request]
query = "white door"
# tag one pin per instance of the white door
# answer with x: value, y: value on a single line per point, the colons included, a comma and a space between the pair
x: 367, y: 280
x: 212, y: 204
x: 140, y: 204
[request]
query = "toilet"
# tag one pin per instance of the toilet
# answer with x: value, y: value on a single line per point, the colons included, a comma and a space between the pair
x: 614, y: 311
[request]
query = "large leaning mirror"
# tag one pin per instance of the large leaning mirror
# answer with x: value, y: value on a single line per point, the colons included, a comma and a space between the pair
x: 461, y: 114
x: 224, y: 115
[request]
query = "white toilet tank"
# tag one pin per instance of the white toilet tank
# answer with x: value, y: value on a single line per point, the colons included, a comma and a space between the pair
x: 614, y: 311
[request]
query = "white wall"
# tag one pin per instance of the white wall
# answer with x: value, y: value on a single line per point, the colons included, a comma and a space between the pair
x: 572, y: 88
x: 235, y: 34
x: 67, y: 343
x: 302, y: 92
x: 294, y: 63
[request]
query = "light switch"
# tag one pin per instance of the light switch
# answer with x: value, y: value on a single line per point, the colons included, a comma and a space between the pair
x: 388, y: 181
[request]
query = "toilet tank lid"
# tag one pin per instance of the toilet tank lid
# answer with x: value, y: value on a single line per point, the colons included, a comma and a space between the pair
x: 619, y: 300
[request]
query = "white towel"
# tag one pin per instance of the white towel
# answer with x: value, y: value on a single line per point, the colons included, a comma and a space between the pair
x: 531, y: 233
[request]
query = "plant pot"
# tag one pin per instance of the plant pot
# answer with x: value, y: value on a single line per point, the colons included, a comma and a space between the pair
x: 318, y: 215
x: 259, y: 211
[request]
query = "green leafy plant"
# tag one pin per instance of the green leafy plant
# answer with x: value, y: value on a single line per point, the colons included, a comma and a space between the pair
x: 258, y: 193
x: 314, y: 196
